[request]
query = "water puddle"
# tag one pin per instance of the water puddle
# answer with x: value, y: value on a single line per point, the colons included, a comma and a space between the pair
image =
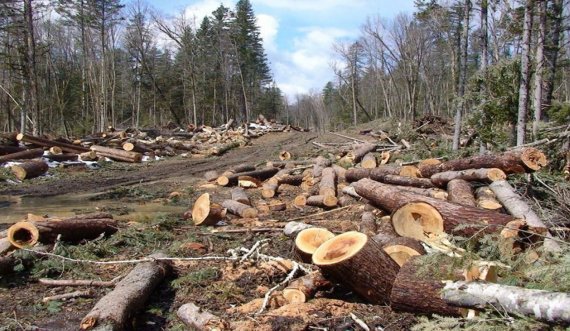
x: 15, y: 208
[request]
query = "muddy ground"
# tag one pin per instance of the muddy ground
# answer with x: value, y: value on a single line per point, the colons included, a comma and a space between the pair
x: 220, y: 287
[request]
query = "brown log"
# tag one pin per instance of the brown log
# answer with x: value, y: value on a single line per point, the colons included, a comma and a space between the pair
x: 288, y: 163
x: 211, y: 175
x: 405, y: 181
x: 277, y: 205
x: 304, y: 288
x: 284, y: 155
x: 487, y: 199
x: 242, y: 168
x: 89, y: 156
x: 24, y: 234
x: 428, y: 192
x: 26, y: 154
x: 5, y: 150
x: 77, y: 282
x: 294, y: 180
x: 240, y: 209
x: 355, y: 174
x: 9, y: 138
x: 485, y: 175
x: 205, y: 212
x: 367, y: 224
x: 301, y: 199
x: 239, y: 195
x: 327, y: 185
x: 54, y: 150
x: 368, y: 161
x: 323, y: 201
x: 340, y: 172
x: 308, y: 240
x: 419, y: 292
x: 117, y: 154
x: 197, y: 319
x: 232, y: 180
x: 62, y: 157
x: 319, y: 164
x: 428, y: 214
x: 66, y: 147
x: 460, y: 192
x: 515, y: 161
x: 249, y: 182
x: 409, y: 171
x: 136, y: 147
x: 360, y: 264
x: 30, y: 169
x: 270, y: 187
x: 361, y: 150
x: 221, y: 149
x: 115, y: 310
x: 401, y: 249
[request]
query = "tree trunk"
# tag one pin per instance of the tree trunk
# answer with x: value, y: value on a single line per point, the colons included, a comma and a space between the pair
x: 462, y: 74
x: 117, y: 154
x: 487, y: 199
x: 232, y: 180
x: 369, y: 161
x: 239, y: 209
x: 525, y: 73
x: 323, y: 201
x: 553, y: 50
x: 362, y: 150
x: 367, y: 224
x: 239, y: 195
x: 539, y: 68
x: 359, y: 263
x: 70, y: 148
x: 304, y: 288
x: 354, y: 174
x: 26, y: 154
x: 115, y: 310
x: 405, y: 181
x: 514, y: 161
x: 485, y: 175
x: 400, y: 249
x: 327, y: 185
x: 460, y: 192
x: 197, y: 319
x: 30, y: 169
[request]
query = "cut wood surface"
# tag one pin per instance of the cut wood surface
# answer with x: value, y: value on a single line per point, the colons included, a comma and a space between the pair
x: 22, y: 155
x: 30, y: 169
x: 485, y: 175
x: 205, y: 212
x: 239, y: 209
x: 486, y: 198
x: 460, y: 192
x: 308, y: 240
x: 401, y: 249
x: 431, y: 211
x: 239, y: 195
x: 323, y: 201
x: 197, y: 319
x: 284, y: 155
x: 360, y: 264
x: 116, y: 309
x: 304, y: 288
x: 405, y: 181
x: 136, y: 147
x: 369, y: 161
x: 66, y: 147
x: 25, y: 234
x: 327, y: 185
x: 117, y: 154
x: 516, y: 161
x: 232, y: 180
x: 552, y: 307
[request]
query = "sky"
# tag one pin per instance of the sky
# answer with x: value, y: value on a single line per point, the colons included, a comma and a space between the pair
x: 298, y: 35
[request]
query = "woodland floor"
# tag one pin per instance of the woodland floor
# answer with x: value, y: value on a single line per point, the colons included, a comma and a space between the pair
x: 216, y: 286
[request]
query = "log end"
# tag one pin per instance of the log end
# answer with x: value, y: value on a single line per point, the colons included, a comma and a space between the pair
x: 308, y: 240
x: 534, y: 159
x: 223, y: 180
x: 23, y: 234
x: 339, y: 248
x: 400, y: 253
x: 496, y: 174
x: 417, y: 220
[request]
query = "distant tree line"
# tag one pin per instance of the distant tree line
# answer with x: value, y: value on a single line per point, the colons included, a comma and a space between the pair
x: 79, y: 66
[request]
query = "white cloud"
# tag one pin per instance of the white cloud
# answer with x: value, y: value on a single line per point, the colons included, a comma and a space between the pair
x: 312, y: 5
x: 204, y: 8
x: 268, y: 28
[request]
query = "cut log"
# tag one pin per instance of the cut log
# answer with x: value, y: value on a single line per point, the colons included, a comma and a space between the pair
x: 239, y: 195
x: 66, y: 147
x: 270, y: 187
x: 361, y: 150
x: 291, y: 229
x: 460, y: 192
x: 5, y: 150
x: 30, y: 169
x: 89, y: 156
x: 323, y: 201
x: 232, y: 180
x: 327, y: 185
x: 484, y: 175
x: 428, y: 192
x: 277, y: 205
x: 240, y: 209
x: 360, y: 264
x: 487, y: 199
x: 551, y: 307
x: 515, y: 161
x: 117, y: 154
x: 26, y: 154
x: 284, y: 155
x: 62, y: 157
x: 319, y: 164
x: 304, y: 288
x: 368, y: 161
x: 301, y: 199
x: 221, y: 149
x: 427, y: 214
x: 409, y: 171
x: 249, y: 182
x: 211, y: 175
x: 367, y: 224
x: 355, y: 174
x: 25, y: 234
x: 384, y: 157
x: 288, y: 163
x: 136, y: 147
x: 308, y: 240
x: 205, y: 212
x: 405, y: 181
x: 115, y: 310
x: 340, y: 172
x: 400, y: 249
x: 197, y: 319
x: 55, y: 150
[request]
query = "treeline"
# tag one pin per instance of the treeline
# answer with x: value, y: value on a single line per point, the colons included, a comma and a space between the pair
x: 79, y: 66
x: 494, y: 63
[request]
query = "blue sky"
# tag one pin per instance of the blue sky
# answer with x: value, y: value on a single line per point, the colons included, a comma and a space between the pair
x: 298, y: 34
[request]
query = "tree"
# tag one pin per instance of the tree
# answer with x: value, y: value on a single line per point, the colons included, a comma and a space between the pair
x: 462, y: 75
x: 539, y: 68
x: 525, y: 72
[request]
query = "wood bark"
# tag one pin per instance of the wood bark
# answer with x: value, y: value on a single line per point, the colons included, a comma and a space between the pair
x: 391, y: 199
x: 405, y: 181
x: 359, y: 263
x: 525, y: 72
x: 319, y: 164
x: 340, y: 172
x: 232, y: 180
x: 211, y: 175
x: 240, y: 209
x: 117, y: 154
x: 204, y: 212
x: 197, y: 319
x: 362, y: 150
x: 367, y: 224
x: 323, y: 201
x: 369, y: 161
x: 327, y: 185
x: 270, y: 187
x: 23, y: 234
x: 70, y: 148
x: 539, y: 68
x: 460, y: 192
x: 355, y: 174
x: 514, y: 161
x: 30, y: 169
x: 551, y: 307
x: 26, y: 154
x: 115, y: 310
x: 484, y: 175
x: 304, y: 288
x: 62, y: 157
x: 5, y: 150
x: 239, y: 195
x: 487, y: 199
x: 308, y: 240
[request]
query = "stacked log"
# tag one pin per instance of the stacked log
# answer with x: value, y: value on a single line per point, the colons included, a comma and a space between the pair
x: 30, y: 169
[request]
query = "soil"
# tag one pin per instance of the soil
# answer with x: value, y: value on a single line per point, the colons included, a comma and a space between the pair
x: 232, y: 291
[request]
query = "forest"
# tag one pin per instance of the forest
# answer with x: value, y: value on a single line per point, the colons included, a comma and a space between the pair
x: 76, y: 66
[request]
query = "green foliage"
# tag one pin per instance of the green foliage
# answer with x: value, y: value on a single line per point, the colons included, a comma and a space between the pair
x: 202, y: 277
x: 559, y: 112
x: 484, y: 321
x: 120, y: 192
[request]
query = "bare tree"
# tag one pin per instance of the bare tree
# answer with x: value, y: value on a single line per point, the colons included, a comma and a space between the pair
x: 462, y: 74
x: 525, y: 72
x: 539, y: 63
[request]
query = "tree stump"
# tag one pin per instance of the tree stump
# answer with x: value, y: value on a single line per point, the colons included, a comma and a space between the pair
x: 30, y: 169
x: 205, y: 212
